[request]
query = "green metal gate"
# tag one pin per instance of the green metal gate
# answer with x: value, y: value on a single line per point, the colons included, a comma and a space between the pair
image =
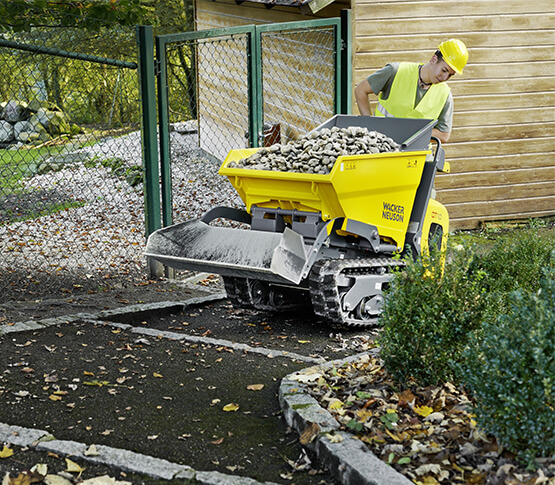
x: 232, y: 88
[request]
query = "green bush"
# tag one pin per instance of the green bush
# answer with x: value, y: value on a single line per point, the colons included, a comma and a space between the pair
x: 510, y: 369
x: 427, y: 319
x: 516, y: 260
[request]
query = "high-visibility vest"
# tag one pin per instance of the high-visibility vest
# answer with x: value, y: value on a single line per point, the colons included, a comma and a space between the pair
x: 400, y: 103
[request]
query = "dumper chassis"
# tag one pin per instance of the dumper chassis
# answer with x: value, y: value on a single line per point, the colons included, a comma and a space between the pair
x: 327, y: 242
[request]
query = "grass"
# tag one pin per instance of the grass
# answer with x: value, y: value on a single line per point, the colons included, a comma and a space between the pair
x: 17, y: 164
x: 19, y: 203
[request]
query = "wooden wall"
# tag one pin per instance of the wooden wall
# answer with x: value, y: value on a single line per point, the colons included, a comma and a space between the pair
x: 502, y: 149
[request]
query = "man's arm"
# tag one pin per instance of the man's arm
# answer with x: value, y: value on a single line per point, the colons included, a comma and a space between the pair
x: 362, y: 91
x: 443, y: 136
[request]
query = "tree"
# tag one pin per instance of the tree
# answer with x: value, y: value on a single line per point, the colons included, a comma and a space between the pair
x: 18, y: 15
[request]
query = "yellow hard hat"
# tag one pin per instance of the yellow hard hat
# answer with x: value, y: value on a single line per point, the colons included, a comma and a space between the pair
x: 454, y: 54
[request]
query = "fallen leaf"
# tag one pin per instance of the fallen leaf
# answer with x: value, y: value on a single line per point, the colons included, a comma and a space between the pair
x: 436, y: 417
x: 24, y: 478
x: 218, y: 441
x: 231, y: 407
x: 364, y: 414
x: 306, y: 377
x: 6, y: 452
x: 335, y: 404
x: 40, y: 468
x: 429, y: 480
x: 428, y: 468
x: 423, y: 411
x: 56, y: 480
x: 96, y: 383
x: 309, y: 433
x: 104, y: 480
x: 53, y: 397
x: 91, y: 451
x: 334, y: 438
x: 255, y: 387
x: 406, y: 398
x: 21, y: 393
x: 73, y: 467
x: 155, y: 374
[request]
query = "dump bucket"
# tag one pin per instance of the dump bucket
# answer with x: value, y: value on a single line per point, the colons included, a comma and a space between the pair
x: 377, y: 189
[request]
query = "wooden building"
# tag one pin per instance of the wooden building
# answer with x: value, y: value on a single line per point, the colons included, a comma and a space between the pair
x: 502, y: 149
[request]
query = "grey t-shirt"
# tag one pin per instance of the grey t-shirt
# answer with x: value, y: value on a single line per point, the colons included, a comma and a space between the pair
x: 381, y: 81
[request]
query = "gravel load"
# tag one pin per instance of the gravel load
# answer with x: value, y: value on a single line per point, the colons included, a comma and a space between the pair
x: 317, y: 151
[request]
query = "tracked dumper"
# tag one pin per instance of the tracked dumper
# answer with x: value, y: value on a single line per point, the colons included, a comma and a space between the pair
x: 330, y: 240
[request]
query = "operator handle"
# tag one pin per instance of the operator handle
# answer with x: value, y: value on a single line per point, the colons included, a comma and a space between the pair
x: 439, y: 156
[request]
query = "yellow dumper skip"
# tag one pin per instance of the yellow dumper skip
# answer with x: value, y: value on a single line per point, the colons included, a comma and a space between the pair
x: 377, y: 189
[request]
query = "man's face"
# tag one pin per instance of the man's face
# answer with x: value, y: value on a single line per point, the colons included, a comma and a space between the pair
x: 440, y: 71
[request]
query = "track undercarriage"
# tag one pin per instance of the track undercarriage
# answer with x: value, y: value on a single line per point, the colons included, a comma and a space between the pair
x: 347, y: 292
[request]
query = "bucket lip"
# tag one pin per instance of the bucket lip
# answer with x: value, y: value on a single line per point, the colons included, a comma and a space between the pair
x: 256, y: 173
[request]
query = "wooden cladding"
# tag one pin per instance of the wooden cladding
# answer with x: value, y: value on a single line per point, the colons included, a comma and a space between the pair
x: 502, y: 148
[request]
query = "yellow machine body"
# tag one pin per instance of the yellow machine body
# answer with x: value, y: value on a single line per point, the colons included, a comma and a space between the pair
x: 376, y: 189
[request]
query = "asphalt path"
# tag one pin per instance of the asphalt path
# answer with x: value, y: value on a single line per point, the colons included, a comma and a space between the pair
x: 192, y: 384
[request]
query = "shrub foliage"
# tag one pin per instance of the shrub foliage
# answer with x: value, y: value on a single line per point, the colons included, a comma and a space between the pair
x: 428, y: 318
x: 487, y: 321
x: 510, y: 369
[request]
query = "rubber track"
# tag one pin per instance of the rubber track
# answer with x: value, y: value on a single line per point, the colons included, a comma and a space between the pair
x: 324, y: 292
x: 238, y: 292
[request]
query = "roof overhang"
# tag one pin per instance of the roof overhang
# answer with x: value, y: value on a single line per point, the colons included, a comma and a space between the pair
x: 306, y: 6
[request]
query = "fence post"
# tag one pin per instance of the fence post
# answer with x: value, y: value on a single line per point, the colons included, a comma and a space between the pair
x: 164, y: 133
x: 254, y: 56
x: 346, y: 70
x: 147, y: 86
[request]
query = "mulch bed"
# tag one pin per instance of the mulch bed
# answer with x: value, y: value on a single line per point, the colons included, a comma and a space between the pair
x: 426, y: 433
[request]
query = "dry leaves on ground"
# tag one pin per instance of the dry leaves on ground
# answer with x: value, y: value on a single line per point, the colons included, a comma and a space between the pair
x: 428, y: 434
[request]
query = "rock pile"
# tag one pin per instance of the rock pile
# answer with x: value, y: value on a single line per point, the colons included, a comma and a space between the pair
x: 317, y: 151
x: 34, y: 122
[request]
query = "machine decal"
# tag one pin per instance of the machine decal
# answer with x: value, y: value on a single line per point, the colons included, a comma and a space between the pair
x: 393, y: 212
x: 348, y: 166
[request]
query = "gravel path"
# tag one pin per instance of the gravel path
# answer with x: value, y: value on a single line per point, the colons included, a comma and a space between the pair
x: 105, y: 233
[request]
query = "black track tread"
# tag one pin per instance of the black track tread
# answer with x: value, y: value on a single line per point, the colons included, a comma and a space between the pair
x: 324, y: 292
x: 238, y: 292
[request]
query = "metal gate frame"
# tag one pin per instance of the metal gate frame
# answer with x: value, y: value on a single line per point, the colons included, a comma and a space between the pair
x: 153, y: 74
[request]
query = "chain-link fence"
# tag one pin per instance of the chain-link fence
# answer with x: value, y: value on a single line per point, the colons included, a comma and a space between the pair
x: 71, y: 201
x: 298, y: 79
x: 71, y: 192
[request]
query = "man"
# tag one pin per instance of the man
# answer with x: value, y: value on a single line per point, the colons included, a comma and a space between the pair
x: 411, y: 90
